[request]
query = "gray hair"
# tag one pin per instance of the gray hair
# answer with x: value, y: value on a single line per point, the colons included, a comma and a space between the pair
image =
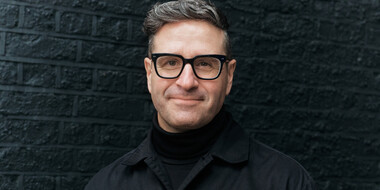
x: 174, y: 11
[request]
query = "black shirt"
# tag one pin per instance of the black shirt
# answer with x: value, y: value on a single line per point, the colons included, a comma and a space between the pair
x: 234, y: 161
x: 179, y: 152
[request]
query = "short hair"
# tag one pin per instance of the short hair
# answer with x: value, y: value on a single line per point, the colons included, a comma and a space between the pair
x: 174, y: 11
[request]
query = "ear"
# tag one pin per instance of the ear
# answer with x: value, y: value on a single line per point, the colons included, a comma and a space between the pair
x: 148, y: 69
x: 230, y: 75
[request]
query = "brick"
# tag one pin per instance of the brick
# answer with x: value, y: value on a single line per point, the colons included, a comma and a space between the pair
x: 39, y: 75
x: 118, y: 7
x: 137, y: 135
x: 350, y: 9
x: 289, y: 26
x: 328, y: 98
x: 8, y: 73
x: 113, y: 108
x: 360, y: 146
x: 265, y: 46
x: 373, y: 34
x: 76, y: 78
x: 149, y: 110
x: 8, y: 15
x: 78, y: 134
x: 113, y: 54
x: 293, y: 49
x: 29, y: 132
x: 246, y: 66
x: 267, y: 120
x: 349, y: 167
x: 112, y: 81
x: 322, y: 75
x: 115, y: 136
x: 334, y: 54
x: 49, y: 2
x: 35, y: 104
x: 39, y: 182
x: 73, y: 182
x: 368, y: 58
x: 370, y: 103
x: 323, y: 8
x: 139, y: 83
x: 8, y: 181
x: 245, y: 41
x: 39, y: 19
x: 36, y: 159
x: 342, y: 31
x: 284, y: 141
x: 253, y: 21
x: 76, y: 23
x: 287, y: 6
x: 113, y: 28
x: 36, y: 46
x: 265, y: 90
x: 135, y: 7
x: 352, y: 123
x: 94, y: 160
x: 138, y: 35
x: 352, y: 184
x: 289, y: 96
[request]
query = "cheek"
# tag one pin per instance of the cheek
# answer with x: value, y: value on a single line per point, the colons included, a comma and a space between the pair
x: 216, y: 91
x: 158, y: 87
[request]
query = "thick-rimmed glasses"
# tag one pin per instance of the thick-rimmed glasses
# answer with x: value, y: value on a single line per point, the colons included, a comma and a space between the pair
x: 170, y: 66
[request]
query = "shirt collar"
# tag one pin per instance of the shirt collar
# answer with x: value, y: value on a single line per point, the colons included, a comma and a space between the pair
x: 232, y: 145
x: 143, y: 151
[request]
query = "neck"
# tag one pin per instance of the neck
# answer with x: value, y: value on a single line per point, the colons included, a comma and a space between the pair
x: 189, y: 144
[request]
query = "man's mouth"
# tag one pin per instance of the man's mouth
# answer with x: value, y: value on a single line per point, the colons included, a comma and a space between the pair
x: 186, y: 100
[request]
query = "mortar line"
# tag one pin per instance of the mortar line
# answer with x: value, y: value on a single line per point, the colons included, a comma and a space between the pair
x: 2, y: 43
x: 76, y: 10
x: 70, y: 64
x: 70, y: 36
x: 91, y: 120
x: 21, y: 16
x: 29, y: 89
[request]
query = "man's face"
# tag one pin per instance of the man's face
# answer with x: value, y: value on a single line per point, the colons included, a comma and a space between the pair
x: 187, y: 102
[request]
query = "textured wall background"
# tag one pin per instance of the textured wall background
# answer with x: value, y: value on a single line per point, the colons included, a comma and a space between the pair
x: 73, y: 93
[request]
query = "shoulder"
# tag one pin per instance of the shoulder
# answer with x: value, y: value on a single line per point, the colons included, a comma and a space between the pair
x: 105, y: 177
x: 278, y: 168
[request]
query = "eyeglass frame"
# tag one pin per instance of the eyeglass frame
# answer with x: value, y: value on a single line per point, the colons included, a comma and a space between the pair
x: 221, y: 58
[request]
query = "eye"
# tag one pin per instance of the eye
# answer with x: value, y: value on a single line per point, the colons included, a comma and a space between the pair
x: 172, y: 63
x: 204, y: 64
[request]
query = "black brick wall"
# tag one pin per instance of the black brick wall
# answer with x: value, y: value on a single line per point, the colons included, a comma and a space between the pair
x: 73, y: 91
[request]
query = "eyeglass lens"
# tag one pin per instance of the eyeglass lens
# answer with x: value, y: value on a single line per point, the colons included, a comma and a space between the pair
x: 204, y: 67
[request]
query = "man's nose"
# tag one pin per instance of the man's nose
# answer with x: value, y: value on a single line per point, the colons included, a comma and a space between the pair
x: 187, y: 80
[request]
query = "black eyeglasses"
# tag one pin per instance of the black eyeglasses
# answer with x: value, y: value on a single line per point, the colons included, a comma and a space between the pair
x: 170, y: 66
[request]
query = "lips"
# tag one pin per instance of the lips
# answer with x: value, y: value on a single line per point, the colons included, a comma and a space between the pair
x: 186, y: 100
x: 180, y: 96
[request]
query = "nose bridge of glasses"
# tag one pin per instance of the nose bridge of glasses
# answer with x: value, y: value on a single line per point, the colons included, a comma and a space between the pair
x: 188, y: 61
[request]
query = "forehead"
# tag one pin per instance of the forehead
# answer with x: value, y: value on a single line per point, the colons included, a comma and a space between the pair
x: 189, y: 37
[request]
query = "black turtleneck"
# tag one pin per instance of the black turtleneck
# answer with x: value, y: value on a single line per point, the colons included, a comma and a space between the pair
x: 180, y: 151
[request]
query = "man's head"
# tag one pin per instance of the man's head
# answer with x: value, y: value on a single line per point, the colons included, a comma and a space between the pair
x: 187, y: 96
x: 175, y: 11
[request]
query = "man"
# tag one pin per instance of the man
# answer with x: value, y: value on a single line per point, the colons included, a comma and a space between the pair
x: 194, y: 143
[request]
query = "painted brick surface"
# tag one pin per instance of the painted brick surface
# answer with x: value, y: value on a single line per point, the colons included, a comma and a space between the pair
x: 73, y: 94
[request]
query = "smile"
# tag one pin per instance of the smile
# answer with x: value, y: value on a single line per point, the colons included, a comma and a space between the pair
x: 186, y: 101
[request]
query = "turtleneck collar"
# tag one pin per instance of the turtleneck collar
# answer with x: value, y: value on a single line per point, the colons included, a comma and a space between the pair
x: 190, y: 144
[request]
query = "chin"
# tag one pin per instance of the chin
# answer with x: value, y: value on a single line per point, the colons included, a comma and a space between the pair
x: 188, y: 123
